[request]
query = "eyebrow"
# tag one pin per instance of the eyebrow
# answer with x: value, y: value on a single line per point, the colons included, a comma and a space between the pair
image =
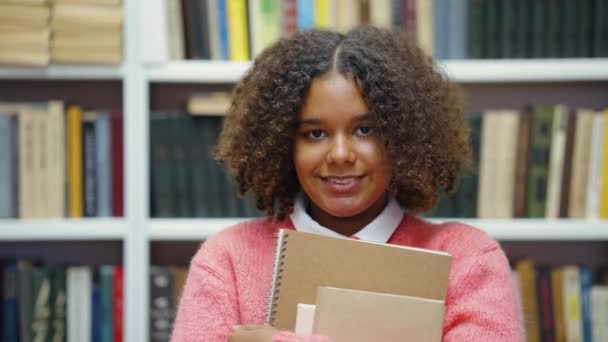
x: 315, y: 121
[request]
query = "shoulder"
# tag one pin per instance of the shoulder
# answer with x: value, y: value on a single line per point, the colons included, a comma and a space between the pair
x: 238, y: 240
x: 456, y: 238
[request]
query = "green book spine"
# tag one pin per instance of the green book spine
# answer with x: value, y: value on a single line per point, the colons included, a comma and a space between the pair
x: 466, y: 198
x: 600, y: 29
x: 106, y: 279
x: 476, y: 29
x: 181, y: 166
x: 555, y: 24
x: 215, y: 195
x: 492, y: 24
x: 508, y: 31
x: 541, y: 123
x: 58, y: 308
x: 523, y: 29
x: 24, y: 269
x: 539, y: 39
x: 570, y: 24
x: 200, y: 158
x: 583, y: 35
x: 40, y: 305
x: 160, y: 160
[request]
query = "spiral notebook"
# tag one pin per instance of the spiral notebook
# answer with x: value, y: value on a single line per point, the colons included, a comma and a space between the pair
x: 307, y: 261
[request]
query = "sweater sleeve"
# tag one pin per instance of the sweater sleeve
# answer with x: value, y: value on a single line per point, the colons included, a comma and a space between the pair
x: 208, y: 307
x: 481, y: 304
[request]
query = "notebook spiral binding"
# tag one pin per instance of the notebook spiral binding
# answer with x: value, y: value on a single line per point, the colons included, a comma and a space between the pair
x: 279, y: 262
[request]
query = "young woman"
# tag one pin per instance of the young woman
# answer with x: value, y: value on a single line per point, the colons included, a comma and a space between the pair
x: 345, y: 135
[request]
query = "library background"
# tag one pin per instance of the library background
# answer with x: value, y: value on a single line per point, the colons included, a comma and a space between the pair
x: 108, y: 108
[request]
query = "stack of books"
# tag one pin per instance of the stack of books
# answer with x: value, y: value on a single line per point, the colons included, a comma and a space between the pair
x: 357, y: 294
x: 87, y: 31
x: 24, y: 32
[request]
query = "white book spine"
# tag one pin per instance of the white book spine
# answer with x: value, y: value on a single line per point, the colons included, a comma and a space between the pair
x: 572, y: 303
x: 599, y: 312
x: 595, y: 164
x: 154, y: 32
x: 175, y: 30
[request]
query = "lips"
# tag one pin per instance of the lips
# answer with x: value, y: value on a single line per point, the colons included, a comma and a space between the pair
x: 341, y: 184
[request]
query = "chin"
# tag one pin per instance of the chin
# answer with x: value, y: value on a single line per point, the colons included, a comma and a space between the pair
x: 343, y: 212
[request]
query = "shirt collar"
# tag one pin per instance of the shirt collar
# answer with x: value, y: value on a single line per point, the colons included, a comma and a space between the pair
x: 379, y: 230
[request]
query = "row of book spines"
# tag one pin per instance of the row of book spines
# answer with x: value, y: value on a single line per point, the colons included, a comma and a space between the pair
x: 76, y: 303
x: 561, y: 303
x: 238, y: 30
x: 166, y: 285
x: 185, y: 180
x: 534, y: 164
x: 537, y: 29
x: 43, y: 144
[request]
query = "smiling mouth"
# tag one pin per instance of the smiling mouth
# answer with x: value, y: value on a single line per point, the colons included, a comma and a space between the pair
x: 342, y: 184
x: 341, y: 180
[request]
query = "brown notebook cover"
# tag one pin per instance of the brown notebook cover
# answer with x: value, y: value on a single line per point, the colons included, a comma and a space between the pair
x: 359, y: 316
x: 306, y: 261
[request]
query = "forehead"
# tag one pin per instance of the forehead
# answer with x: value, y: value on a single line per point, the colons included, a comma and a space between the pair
x: 333, y: 95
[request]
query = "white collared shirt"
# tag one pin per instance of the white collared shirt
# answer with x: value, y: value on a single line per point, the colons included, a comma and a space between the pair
x: 379, y: 230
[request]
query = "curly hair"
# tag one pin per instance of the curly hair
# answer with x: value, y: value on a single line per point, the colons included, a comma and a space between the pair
x: 415, y: 109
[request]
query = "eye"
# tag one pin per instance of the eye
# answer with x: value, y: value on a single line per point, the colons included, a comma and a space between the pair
x: 364, y: 130
x: 315, y: 134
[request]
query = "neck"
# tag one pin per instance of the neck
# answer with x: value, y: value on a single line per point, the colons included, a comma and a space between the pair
x: 348, y: 226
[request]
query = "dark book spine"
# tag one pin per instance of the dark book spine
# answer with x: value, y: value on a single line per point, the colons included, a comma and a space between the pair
x: 199, y: 152
x: 564, y: 202
x: 58, y: 302
x: 521, y: 167
x: 40, y: 309
x: 469, y: 186
x: 476, y: 29
x: 523, y: 29
x: 90, y: 170
x: 583, y: 37
x: 555, y: 29
x: 600, y: 28
x: 586, y: 283
x: 540, y: 150
x: 181, y: 174
x: 24, y: 269
x: 539, y: 37
x: 117, y: 304
x: 106, y: 277
x: 161, y: 303
x: 117, y: 165
x: 10, y: 306
x: 570, y: 27
x: 95, y: 314
x: 508, y: 29
x: 160, y: 173
x: 545, y: 304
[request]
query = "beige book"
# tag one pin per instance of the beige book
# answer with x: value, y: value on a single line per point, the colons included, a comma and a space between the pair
x: 87, y: 41
x: 94, y: 2
x: 33, y: 16
x: 424, y: 25
x: 595, y: 166
x: 41, y: 164
x: 306, y: 261
x: 29, y: 161
x: 347, y: 15
x: 556, y: 161
x: 29, y: 56
x: 71, y: 29
x: 580, y: 163
x: 497, y: 165
x: 571, y: 297
x: 360, y: 316
x: 81, y: 56
x: 24, y: 38
x: 78, y: 14
x: 55, y: 150
x: 175, y: 26
x: 25, y: 2
x: 381, y: 13
x: 209, y: 104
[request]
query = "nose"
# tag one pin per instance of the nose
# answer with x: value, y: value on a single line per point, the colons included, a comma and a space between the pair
x: 341, y: 151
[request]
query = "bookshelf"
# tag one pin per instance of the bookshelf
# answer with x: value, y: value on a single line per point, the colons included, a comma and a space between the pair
x: 136, y: 231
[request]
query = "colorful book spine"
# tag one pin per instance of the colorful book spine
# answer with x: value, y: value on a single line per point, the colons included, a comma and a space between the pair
x: 10, y: 306
x: 117, y: 304
x: 237, y: 30
x: 103, y: 164
x: 161, y: 303
x: 89, y: 164
x: 540, y: 149
x: 117, y: 165
x: 106, y: 278
x: 7, y: 197
x: 306, y: 14
x: 75, y: 176
x: 40, y: 309
x: 603, y: 200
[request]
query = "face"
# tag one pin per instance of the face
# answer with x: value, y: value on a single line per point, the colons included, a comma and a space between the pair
x: 341, y: 163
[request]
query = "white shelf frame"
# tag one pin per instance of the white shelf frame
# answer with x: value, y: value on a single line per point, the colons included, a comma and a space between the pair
x: 63, y: 229
x: 461, y: 71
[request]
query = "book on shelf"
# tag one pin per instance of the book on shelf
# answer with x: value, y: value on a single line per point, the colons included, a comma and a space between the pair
x: 57, y: 163
x: 306, y: 261
x: 58, y: 302
x: 558, y: 301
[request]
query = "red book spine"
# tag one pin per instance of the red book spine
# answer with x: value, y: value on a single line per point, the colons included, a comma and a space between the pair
x: 117, y: 304
x: 117, y: 166
x: 409, y: 17
x: 290, y: 17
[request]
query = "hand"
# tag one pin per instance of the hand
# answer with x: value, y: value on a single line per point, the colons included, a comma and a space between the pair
x: 252, y: 333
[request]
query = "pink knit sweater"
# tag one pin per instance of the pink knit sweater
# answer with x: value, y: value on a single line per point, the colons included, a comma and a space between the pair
x: 229, y: 282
